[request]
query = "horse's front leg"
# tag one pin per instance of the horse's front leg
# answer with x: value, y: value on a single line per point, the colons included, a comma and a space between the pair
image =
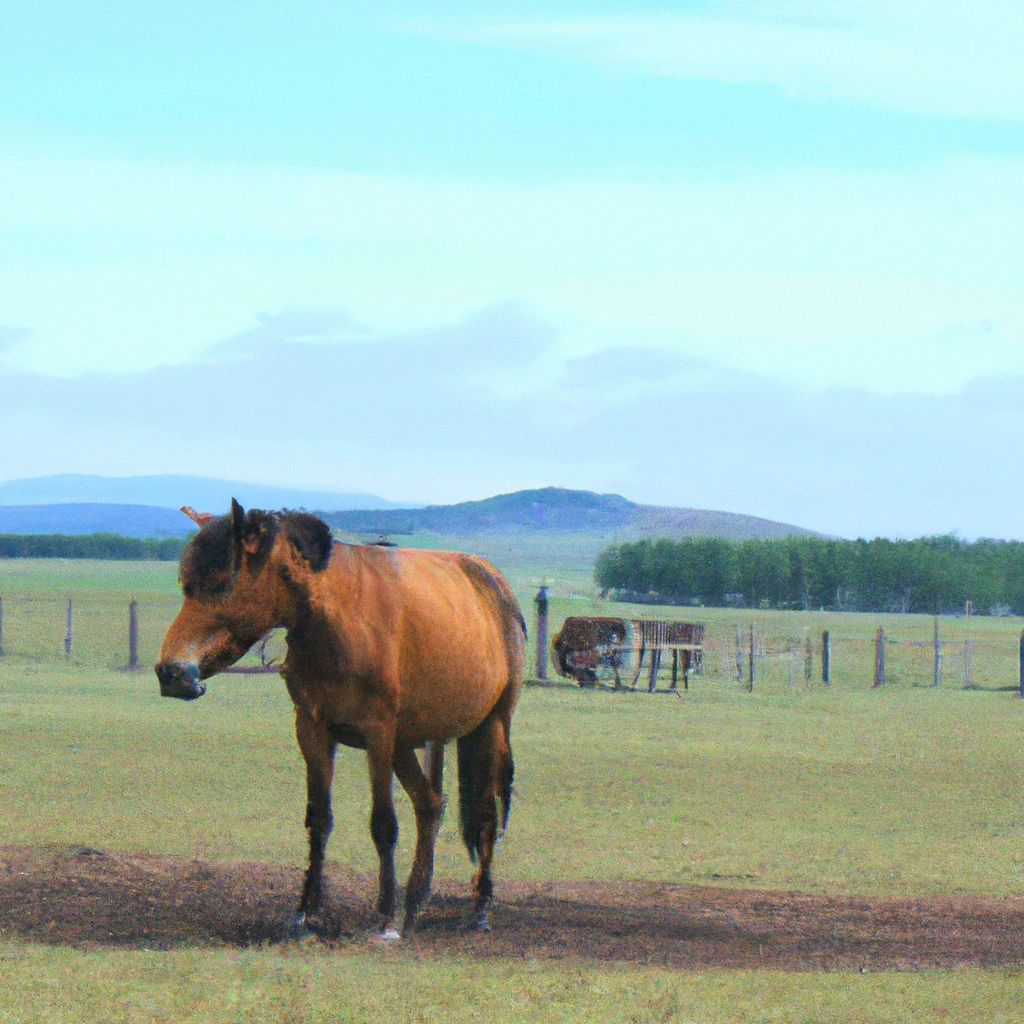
x: 318, y: 749
x: 380, y: 750
x: 424, y: 786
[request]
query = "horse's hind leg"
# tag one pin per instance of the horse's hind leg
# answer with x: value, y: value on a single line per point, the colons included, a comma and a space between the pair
x: 318, y: 750
x: 425, y: 793
x: 485, y: 772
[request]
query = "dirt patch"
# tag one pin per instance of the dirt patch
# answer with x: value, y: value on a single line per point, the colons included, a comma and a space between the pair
x: 86, y: 897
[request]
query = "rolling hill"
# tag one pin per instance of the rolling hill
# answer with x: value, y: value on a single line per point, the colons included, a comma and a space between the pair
x: 82, y: 518
x: 537, y: 534
x: 531, y: 534
x: 173, y: 491
x: 556, y: 509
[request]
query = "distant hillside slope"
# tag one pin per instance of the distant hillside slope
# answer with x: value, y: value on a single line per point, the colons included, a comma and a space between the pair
x: 172, y: 492
x: 75, y: 519
x: 556, y: 509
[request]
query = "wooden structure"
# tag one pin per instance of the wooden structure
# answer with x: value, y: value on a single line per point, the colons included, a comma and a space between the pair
x: 587, y: 643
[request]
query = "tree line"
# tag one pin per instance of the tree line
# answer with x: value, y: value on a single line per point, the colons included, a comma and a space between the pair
x: 91, y: 545
x: 930, y: 574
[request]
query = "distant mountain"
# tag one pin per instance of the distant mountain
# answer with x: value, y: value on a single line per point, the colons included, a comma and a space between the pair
x: 556, y: 509
x: 529, y: 533
x: 74, y: 519
x: 174, y: 491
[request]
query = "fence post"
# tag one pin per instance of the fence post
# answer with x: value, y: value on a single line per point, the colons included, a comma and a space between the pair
x: 968, y: 664
x: 826, y: 657
x: 67, y: 632
x: 808, y: 660
x: 1022, y: 665
x: 752, y: 659
x: 541, y: 600
x: 879, y: 657
x: 739, y: 654
x: 937, y: 660
x: 133, y: 635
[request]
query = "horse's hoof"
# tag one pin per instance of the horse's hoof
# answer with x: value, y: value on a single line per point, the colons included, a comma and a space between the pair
x: 387, y: 936
x: 481, y: 923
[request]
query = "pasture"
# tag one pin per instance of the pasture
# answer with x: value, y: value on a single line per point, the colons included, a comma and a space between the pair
x: 792, y: 854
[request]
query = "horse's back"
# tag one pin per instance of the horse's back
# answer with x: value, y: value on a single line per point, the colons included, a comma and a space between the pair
x: 460, y: 608
x: 458, y: 636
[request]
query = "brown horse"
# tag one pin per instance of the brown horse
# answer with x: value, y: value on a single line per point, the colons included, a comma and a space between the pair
x: 389, y: 650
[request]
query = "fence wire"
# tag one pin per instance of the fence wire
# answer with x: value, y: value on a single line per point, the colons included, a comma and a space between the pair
x: 986, y: 659
x: 981, y: 653
x: 35, y: 627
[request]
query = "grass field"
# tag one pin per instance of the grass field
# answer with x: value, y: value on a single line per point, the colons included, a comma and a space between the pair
x: 35, y: 594
x: 904, y: 792
x: 62, y: 986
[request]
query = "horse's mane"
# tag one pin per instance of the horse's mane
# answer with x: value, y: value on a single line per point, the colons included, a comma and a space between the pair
x: 206, y: 563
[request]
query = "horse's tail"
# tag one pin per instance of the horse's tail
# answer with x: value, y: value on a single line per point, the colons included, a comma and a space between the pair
x: 472, y: 776
x: 486, y: 771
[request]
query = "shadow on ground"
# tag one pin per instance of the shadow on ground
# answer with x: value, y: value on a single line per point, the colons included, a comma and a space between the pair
x: 87, y: 898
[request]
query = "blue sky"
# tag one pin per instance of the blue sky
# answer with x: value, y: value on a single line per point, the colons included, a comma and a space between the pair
x: 729, y: 255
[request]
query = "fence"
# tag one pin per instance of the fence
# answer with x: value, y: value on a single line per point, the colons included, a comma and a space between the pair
x: 854, y: 652
x: 105, y: 631
x: 108, y: 630
x: 887, y: 657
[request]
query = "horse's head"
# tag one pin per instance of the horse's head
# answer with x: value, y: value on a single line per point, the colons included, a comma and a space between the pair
x: 239, y: 576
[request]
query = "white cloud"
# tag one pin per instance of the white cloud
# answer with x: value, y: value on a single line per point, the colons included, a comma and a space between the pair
x: 928, y: 58
x: 816, y: 276
x: 429, y: 416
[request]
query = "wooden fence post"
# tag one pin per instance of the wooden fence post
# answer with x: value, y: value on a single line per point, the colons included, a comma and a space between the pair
x: 67, y: 632
x: 133, y: 635
x: 937, y: 659
x: 826, y: 657
x: 968, y: 664
x: 541, y: 600
x: 1022, y: 665
x: 752, y: 659
x: 739, y: 654
x: 808, y: 660
x: 879, y: 657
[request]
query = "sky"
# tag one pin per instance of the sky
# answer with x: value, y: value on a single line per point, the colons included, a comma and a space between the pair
x: 758, y: 257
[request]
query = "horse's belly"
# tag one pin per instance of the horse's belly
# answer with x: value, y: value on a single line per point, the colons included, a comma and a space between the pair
x: 443, y: 710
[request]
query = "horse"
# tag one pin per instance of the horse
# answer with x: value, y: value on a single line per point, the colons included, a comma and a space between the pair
x: 389, y: 650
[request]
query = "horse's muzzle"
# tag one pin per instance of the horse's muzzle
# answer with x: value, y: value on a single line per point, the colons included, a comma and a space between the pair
x: 179, y: 679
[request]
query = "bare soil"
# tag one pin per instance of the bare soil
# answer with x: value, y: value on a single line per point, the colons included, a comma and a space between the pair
x: 91, y: 898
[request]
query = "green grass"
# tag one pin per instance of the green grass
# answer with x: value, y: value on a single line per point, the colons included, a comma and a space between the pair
x: 902, y: 792
x: 35, y: 603
x: 56, y: 576
x: 56, y: 986
x: 899, y: 792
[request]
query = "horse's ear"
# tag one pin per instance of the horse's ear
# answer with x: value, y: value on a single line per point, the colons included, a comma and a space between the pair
x: 199, y: 518
x: 237, y: 534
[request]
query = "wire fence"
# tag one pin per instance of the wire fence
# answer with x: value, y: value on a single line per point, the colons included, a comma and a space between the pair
x: 110, y: 631
x: 884, y: 657
x: 100, y: 630
x: 856, y: 652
